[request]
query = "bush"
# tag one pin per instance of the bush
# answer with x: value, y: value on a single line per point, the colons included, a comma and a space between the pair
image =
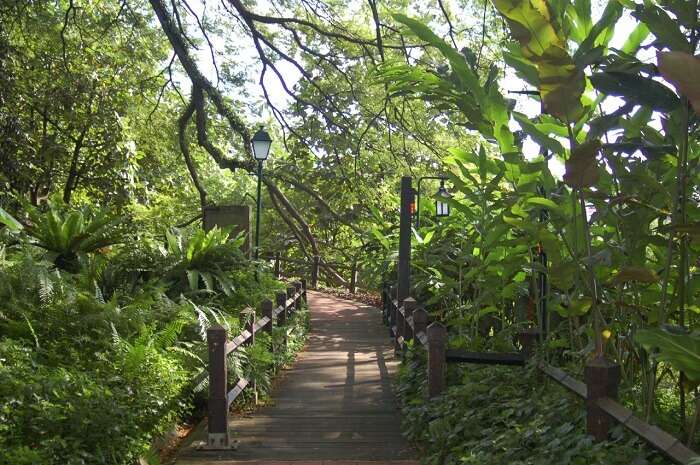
x: 494, y: 415
x: 57, y: 415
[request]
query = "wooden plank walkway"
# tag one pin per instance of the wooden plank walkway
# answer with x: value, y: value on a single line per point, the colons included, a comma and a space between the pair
x: 335, y: 406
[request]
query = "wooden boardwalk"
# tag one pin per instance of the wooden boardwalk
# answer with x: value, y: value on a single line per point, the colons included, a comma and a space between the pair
x: 334, y: 406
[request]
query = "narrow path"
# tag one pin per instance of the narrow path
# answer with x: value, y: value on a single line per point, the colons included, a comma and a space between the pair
x: 335, y: 406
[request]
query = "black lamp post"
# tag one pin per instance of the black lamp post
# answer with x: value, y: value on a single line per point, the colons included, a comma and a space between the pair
x: 442, y: 208
x: 261, y: 149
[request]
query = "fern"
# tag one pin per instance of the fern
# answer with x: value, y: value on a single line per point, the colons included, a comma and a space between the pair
x: 46, y: 287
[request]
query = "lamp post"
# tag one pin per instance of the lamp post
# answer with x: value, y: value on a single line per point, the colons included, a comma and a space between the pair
x: 442, y: 208
x: 261, y: 149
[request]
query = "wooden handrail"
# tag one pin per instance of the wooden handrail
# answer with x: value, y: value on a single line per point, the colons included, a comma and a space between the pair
x: 220, y: 398
x: 607, y: 404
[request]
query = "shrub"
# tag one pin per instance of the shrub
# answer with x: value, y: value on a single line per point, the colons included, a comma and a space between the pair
x: 57, y: 415
x: 502, y: 415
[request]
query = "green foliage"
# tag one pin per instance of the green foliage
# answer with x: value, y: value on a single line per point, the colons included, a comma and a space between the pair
x: 680, y: 350
x: 105, y: 415
x: 200, y: 259
x: 96, y: 363
x: 496, y: 415
x: 67, y: 235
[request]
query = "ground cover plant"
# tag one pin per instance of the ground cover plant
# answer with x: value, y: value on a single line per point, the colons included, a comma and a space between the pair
x: 493, y: 415
x: 98, y: 358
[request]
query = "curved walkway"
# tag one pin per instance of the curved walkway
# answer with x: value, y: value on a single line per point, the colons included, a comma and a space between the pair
x: 334, y: 406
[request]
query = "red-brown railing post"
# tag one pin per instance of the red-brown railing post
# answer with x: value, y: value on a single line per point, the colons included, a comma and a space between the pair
x: 393, y: 310
x: 290, y: 294
x: 314, y: 272
x: 602, y: 379
x: 249, y: 326
x: 303, y: 288
x: 528, y: 341
x: 353, y: 278
x: 266, y: 310
x: 281, y: 301
x: 400, y: 324
x: 437, y: 340
x: 420, y: 321
x: 409, y: 305
x: 297, y: 289
x: 217, y: 423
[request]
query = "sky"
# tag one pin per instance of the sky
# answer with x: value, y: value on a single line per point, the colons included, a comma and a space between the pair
x: 280, y: 99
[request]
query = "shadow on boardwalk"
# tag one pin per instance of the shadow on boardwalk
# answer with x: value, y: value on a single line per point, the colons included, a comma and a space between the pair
x: 335, y: 405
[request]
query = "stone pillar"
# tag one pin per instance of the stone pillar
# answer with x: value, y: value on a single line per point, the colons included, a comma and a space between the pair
x: 238, y: 216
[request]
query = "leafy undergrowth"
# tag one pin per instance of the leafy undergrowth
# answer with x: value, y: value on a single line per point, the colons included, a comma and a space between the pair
x: 505, y: 415
x: 98, y: 353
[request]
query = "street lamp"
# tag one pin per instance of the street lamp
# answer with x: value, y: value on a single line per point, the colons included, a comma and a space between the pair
x: 261, y: 149
x: 442, y: 208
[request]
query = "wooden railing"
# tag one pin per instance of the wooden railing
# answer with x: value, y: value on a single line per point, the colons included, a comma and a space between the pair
x: 220, y: 347
x: 313, y: 267
x: 408, y: 321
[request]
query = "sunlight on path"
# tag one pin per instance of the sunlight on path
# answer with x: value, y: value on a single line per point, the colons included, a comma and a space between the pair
x: 335, y: 406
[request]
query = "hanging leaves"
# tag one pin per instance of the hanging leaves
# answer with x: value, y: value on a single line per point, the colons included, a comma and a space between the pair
x: 486, y: 109
x: 682, y: 351
x: 635, y: 88
x: 683, y: 71
x: 662, y: 26
x: 561, y: 83
x: 582, y: 166
x: 635, y: 273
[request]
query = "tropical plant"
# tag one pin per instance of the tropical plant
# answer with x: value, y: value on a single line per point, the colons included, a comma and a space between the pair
x: 68, y: 234
x: 202, y: 259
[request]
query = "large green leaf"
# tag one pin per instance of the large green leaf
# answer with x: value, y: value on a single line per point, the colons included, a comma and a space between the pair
x: 9, y: 221
x: 561, y: 83
x: 543, y: 139
x: 633, y: 87
x: 663, y: 27
x: 486, y: 110
x: 682, y: 351
x: 582, y: 165
x: 602, y: 32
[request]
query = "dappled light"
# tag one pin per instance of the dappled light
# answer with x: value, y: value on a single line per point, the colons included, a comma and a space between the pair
x: 449, y: 232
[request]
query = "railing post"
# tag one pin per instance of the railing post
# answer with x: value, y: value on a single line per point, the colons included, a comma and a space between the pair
x: 420, y: 321
x: 297, y: 289
x: 281, y: 301
x: 249, y: 324
x: 384, y: 302
x: 266, y: 310
x: 314, y: 272
x: 278, y: 265
x: 303, y: 287
x: 393, y: 310
x: 602, y: 379
x: 353, y: 278
x: 409, y: 305
x: 400, y: 325
x: 437, y: 340
x: 528, y: 341
x: 218, y: 386
x: 404, y: 266
x: 290, y: 294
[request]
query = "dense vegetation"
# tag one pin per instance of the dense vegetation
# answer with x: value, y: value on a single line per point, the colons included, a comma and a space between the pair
x: 101, y: 345
x: 567, y: 129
